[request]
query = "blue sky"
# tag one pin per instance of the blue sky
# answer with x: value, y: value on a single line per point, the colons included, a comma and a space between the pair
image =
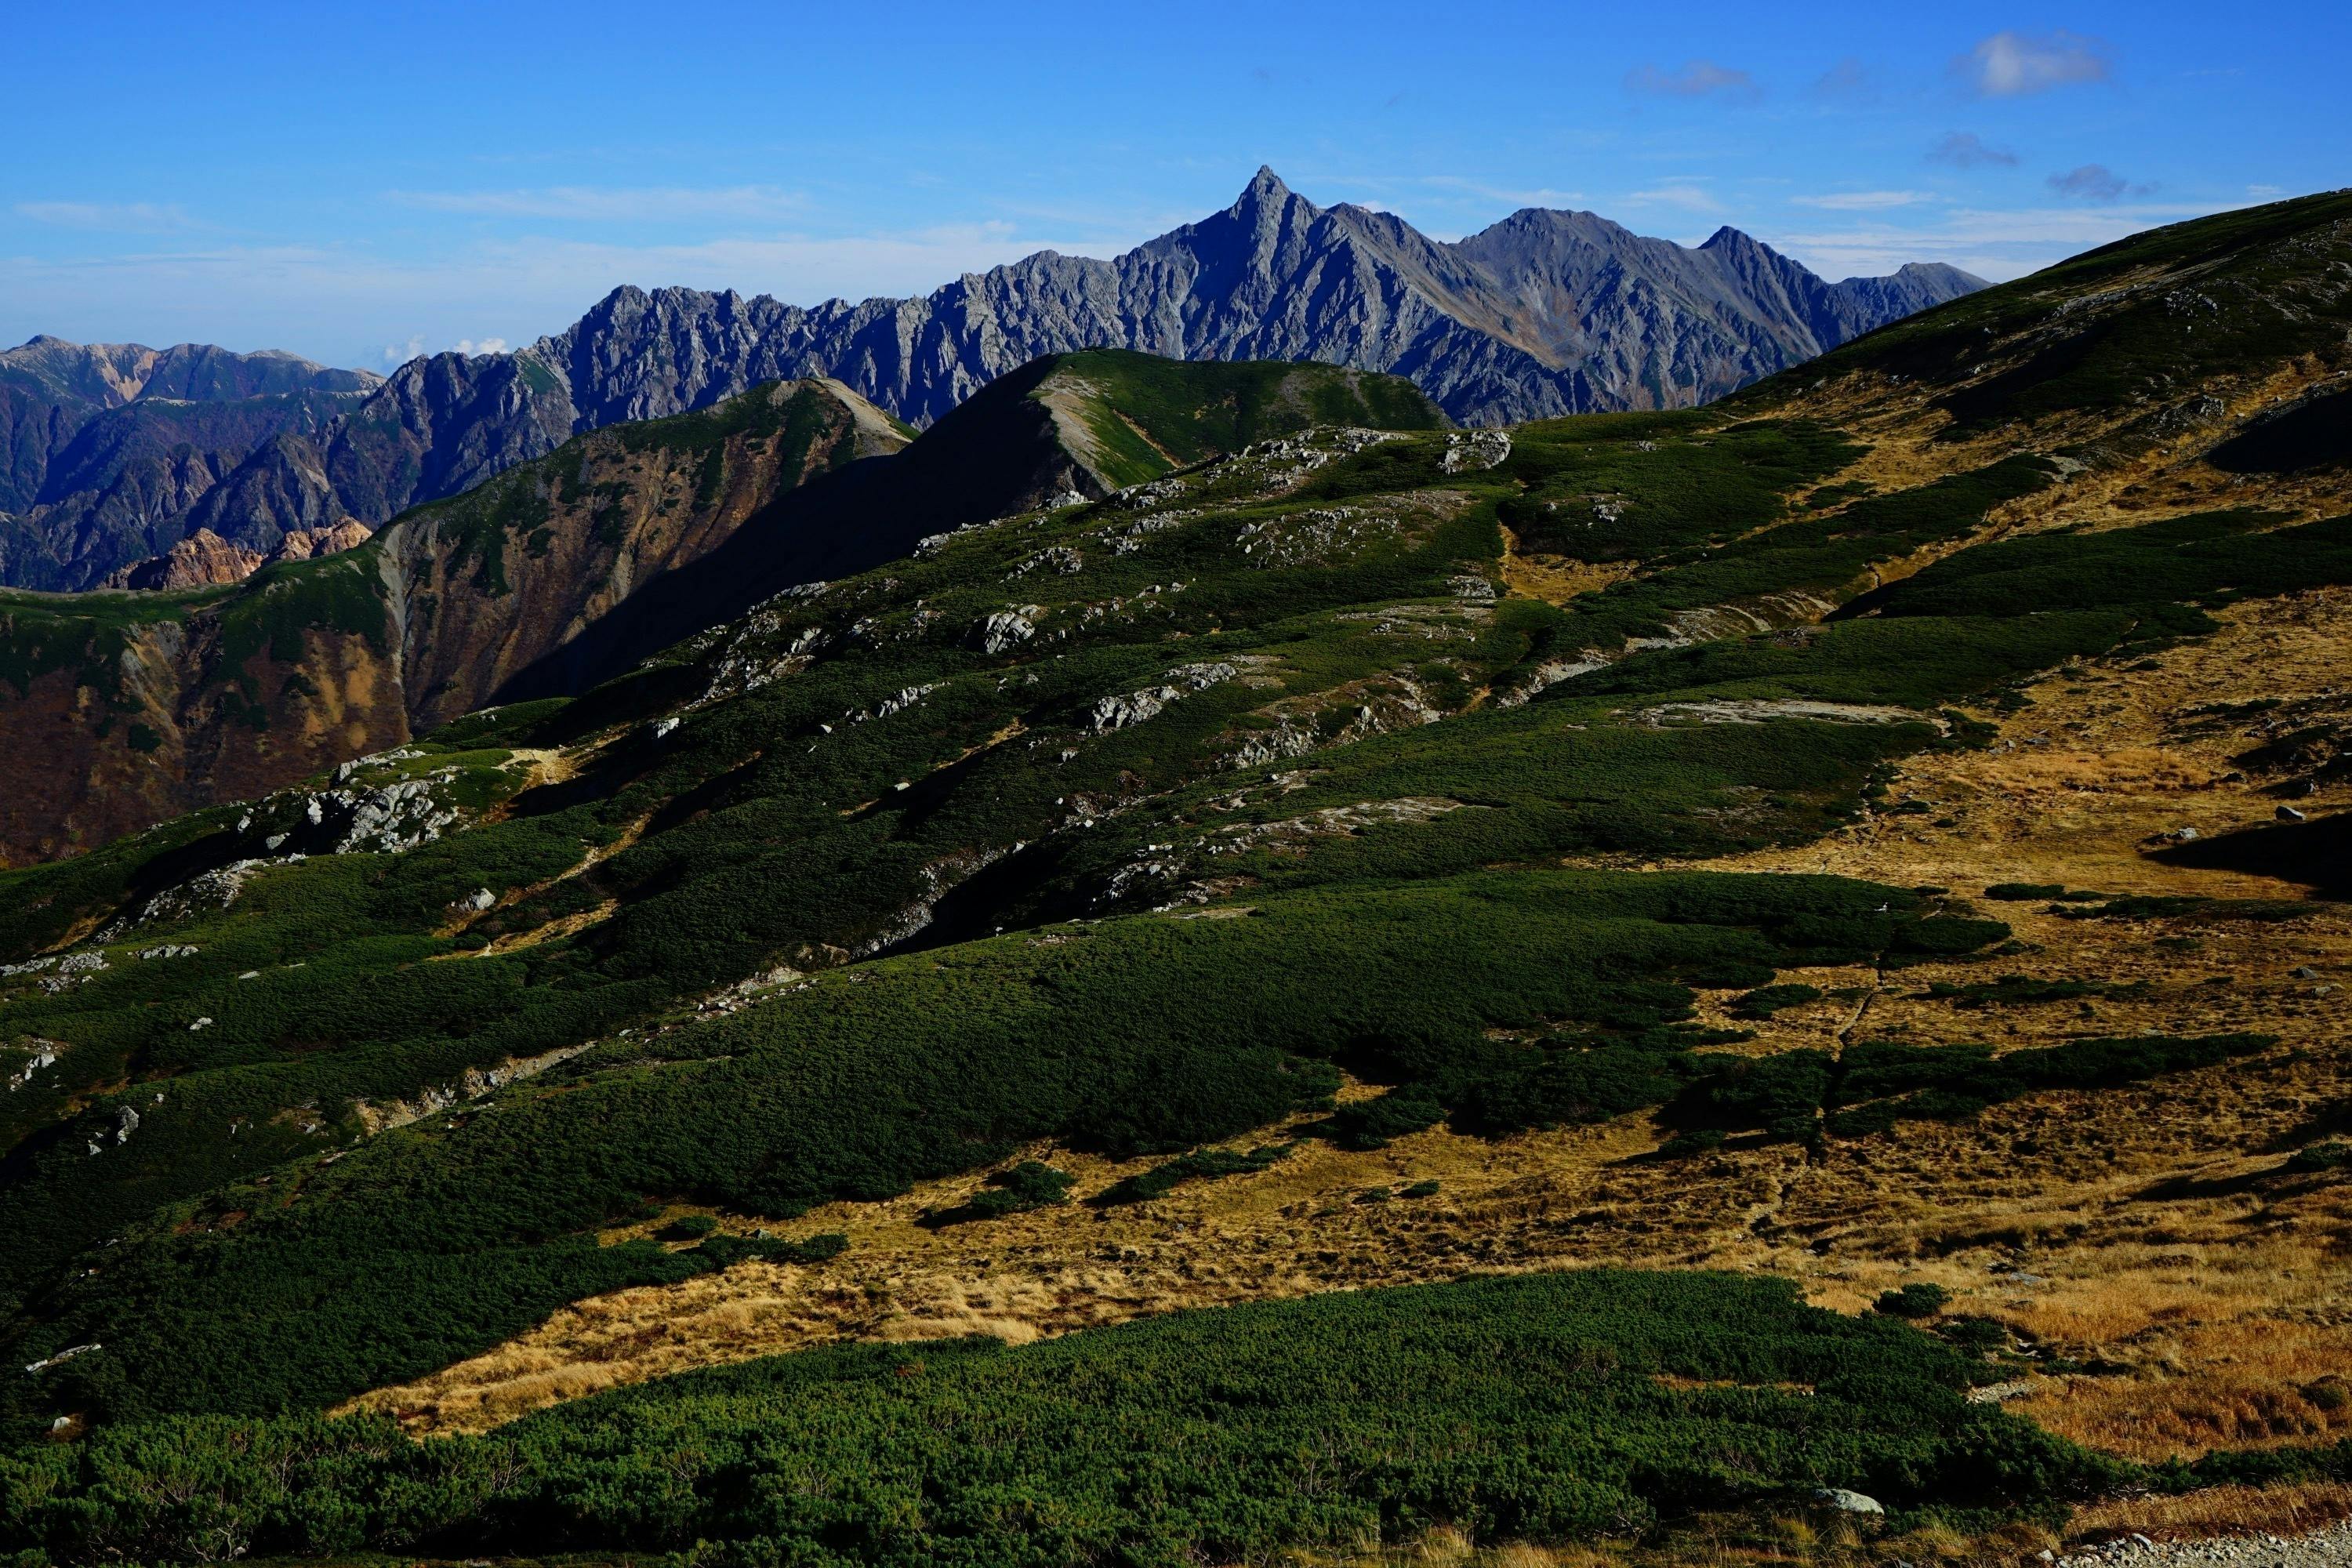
x: 360, y: 188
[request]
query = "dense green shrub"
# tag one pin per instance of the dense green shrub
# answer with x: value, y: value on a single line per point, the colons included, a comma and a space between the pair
x: 1918, y: 1300
x: 2334, y: 1154
x: 1765, y: 1001
x: 1198, y: 1165
x: 1031, y: 1184
x: 1551, y: 1407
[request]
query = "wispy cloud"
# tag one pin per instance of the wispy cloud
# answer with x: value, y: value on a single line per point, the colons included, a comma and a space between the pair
x: 2094, y: 183
x: 1697, y: 78
x: 599, y: 204
x: 2265, y: 193
x: 1997, y: 243
x: 1965, y: 149
x: 1849, y: 81
x: 2012, y: 65
x: 1677, y: 193
x: 314, y: 297
x: 1864, y: 201
x: 470, y: 346
x: 115, y: 217
x: 1539, y: 196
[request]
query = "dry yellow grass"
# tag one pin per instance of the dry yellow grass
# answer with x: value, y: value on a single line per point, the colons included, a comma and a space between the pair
x: 2285, y: 1510
x: 1555, y: 579
x: 2139, y: 1231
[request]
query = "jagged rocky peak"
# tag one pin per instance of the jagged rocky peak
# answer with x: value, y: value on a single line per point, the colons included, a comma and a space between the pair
x: 1542, y: 314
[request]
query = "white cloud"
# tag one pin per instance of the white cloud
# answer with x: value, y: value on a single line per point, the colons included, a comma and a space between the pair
x: 2012, y: 65
x: 119, y: 217
x: 1689, y: 197
x: 592, y: 204
x: 1995, y: 243
x: 470, y: 347
x: 1864, y: 201
x: 1539, y: 196
x: 350, y: 304
x: 1965, y: 150
x: 2265, y: 193
x: 1697, y: 78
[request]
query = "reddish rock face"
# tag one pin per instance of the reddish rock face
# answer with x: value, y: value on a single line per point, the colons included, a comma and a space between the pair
x: 203, y: 560
x: 304, y: 543
x: 150, y: 707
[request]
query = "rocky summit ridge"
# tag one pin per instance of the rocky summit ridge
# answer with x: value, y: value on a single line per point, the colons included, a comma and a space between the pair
x: 1544, y: 313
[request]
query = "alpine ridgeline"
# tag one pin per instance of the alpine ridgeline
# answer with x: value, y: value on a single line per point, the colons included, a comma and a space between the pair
x: 119, y: 709
x: 1874, y: 840
x: 1544, y: 313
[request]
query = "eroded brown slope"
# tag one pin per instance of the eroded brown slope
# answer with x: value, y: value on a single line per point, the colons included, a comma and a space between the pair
x: 129, y: 710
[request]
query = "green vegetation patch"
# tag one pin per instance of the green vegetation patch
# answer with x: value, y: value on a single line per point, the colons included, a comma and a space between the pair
x: 1881, y: 1082
x: 2240, y: 301
x: 1816, y: 556
x: 2159, y: 569
x: 1148, y: 415
x: 1630, y: 487
x: 1133, y: 1035
x: 1549, y: 1407
x: 2315, y: 434
x: 1199, y: 1165
x: 1031, y: 1184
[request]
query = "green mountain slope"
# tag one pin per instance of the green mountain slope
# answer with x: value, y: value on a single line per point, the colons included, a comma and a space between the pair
x: 128, y: 709
x: 1131, y: 824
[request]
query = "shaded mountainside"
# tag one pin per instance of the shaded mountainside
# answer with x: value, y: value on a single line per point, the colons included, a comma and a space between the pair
x: 106, y: 448
x: 1544, y: 313
x: 122, y: 710
x: 1280, y: 825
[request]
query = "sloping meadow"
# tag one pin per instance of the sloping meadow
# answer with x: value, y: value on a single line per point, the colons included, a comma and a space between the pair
x: 1130, y: 825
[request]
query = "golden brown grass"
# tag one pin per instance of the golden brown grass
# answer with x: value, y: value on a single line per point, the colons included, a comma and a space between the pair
x: 2283, y: 1511
x: 1555, y: 579
x: 2140, y: 1230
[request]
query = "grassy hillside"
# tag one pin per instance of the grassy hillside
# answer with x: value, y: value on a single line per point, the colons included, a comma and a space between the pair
x: 568, y: 569
x: 1554, y: 1406
x: 1609, y: 805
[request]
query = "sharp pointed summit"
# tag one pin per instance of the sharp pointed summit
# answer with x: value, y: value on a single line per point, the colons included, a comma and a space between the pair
x: 1544, y: 313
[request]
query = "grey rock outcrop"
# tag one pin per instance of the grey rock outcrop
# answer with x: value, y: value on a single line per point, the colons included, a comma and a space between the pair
x: 1544, y: 313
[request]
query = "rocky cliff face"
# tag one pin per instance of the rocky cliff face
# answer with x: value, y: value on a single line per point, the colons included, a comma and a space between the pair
x: 108, y: 450
x: 1545, y: 313
x: 204, y: 559
x: 144, y: 706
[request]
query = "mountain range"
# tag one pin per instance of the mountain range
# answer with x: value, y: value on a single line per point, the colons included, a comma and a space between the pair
x: 1544, y: 313
x: 1192, y: 966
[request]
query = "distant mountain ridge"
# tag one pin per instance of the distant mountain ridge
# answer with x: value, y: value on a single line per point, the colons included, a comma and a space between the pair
x: 107, y: 451
x: 1544, y: 313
